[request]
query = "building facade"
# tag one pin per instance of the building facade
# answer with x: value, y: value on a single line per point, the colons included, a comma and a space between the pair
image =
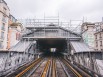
x: 12, y: 20
x: 4, y: 17
x: 88, y: 34
x: 14, y: 31
x: 99, y: 36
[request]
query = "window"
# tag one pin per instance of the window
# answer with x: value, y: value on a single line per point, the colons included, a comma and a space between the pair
x: 4, y: 18
x: 87, y: 27
x: 1, y: 44
x: 98, y: 28
x: 17, y: 36
x: 100, y: 35
x: 96, y: 44
x: 3, y: 26
x: 96, y: 36
x: 4, y: 10
x: 100, y: 43
x: 2, y: 35
x: 96, y: 49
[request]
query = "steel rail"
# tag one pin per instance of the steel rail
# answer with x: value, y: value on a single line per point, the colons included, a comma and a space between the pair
x: 81, y: 73
x: 72, y: 69
x: 28, y: 68
x: 63, y: 67
x: 44, y: 74
x: 53, y: 68
x: 34, y: 69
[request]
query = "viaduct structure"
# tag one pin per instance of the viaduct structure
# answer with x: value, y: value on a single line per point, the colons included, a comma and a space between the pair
x: 43, y: 37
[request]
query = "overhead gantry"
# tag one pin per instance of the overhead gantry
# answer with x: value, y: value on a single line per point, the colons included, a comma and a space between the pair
x: 51, y: 36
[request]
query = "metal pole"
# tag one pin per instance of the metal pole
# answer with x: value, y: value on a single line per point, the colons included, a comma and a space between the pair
x: 44, y: 26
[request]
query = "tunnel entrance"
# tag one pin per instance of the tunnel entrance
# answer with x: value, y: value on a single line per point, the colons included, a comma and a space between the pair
x: 52, y: 45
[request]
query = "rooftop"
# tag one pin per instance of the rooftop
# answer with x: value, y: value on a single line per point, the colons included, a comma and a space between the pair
x: 2, y: 1
x: 88, y: 24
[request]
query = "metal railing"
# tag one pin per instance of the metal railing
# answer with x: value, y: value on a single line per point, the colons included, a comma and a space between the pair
x: 91, y: 61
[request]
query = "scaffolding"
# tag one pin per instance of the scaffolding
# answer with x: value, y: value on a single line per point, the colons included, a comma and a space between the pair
x: 72, y: 25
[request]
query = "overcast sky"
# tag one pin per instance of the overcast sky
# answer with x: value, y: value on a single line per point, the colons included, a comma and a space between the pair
x: 91, y: 10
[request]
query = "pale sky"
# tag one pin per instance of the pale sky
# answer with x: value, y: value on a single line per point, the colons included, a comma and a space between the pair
x: 91, y: 10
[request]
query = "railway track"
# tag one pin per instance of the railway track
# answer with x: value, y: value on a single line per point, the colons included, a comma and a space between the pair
x: 53, y: 73
x: 76, y: 72
x: 19, y: 72
x: 29, y: 68
x: 52, y: 67
x: 41, y: 70
x: 61, y: 71
x: 46, y: 69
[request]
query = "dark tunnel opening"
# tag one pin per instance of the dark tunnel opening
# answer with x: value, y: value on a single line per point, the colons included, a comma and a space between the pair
x: 52, y: 46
